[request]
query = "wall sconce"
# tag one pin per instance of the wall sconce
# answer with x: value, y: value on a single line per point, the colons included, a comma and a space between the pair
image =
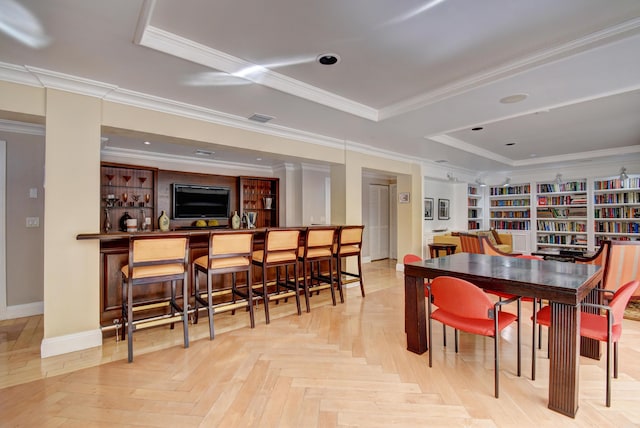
x: 558, y: 179
x: 480, y: 183
x: 623, y: 174
x: 507, y: 181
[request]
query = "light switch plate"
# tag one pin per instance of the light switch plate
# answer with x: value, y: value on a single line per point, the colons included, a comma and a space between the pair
x: 33, y: 193
x: 33, y: 221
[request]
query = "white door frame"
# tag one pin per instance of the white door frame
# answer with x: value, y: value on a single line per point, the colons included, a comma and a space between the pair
x: 3, y: 236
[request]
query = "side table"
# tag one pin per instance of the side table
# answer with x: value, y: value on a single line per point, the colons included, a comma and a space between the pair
x: 434, y: 249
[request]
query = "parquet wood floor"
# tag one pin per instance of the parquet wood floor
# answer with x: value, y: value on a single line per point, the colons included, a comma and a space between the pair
x: 340, y: 366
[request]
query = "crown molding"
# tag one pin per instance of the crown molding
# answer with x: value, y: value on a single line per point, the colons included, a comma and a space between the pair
x: 461, y: 145
x: 21, y: 127
x: 608, y: 35
x: 180, y: 47
x: 113, y: 154
x: 65, y: 82
x: 574, y: 157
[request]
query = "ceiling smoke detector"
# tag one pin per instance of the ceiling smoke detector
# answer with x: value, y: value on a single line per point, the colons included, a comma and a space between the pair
x: 262, y: 118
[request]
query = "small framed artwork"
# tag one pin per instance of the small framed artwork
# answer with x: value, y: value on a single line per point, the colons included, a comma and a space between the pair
x: 428, y: 208
x: 404, y: 197
x: 443, y: 209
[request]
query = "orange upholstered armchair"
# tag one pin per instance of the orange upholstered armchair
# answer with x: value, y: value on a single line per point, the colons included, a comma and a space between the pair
x: 466, y: 307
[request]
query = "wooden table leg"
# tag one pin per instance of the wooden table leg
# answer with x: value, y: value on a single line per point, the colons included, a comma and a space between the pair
x: 564, y: 347
x: 415, y: 319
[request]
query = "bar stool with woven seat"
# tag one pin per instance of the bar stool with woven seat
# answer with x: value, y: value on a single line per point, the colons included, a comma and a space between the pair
x: 155, y: 259
x: 229, y: 253
x: 318, y: 246
x: 280, y: 251
x: 349, y: 244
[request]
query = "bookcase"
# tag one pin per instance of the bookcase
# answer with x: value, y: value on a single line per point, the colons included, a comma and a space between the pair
x: 510, y: 207
x: 616, y: 209
x: 561, y: 215
x: 474, y: 207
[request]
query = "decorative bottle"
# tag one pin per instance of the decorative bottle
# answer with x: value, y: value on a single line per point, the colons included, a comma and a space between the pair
x: 235, y: 220
x: 123, y: 221
x: 163, y: 222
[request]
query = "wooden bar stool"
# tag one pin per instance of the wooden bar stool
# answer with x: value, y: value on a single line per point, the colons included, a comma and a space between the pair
x: 349, y: 244
x: 229, y: 253
x: 280, y: 251
x: 318, y: 246
x: 155, y: 259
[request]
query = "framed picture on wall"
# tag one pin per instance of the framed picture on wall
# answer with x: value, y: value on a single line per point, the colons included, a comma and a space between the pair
x: 443, y: 209
x: 404, y: 197
x: 428, y: 208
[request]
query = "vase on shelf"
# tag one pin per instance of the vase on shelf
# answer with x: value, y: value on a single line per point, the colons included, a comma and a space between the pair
x: 235, y: 220
x: 267, y: 202
x: 107, y: 221
x: 163, y: 222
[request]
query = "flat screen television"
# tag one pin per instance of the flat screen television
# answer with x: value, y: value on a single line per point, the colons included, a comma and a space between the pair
x: 194, y: 201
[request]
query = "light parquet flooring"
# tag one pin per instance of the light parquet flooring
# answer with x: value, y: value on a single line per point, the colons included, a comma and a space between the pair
x: 340, y: 366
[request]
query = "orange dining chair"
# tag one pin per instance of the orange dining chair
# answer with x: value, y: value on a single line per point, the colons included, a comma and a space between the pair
x: 412, y: 258
x: 622, y: 264
x: 489, y: 249
x: 464, y: 306
x: 604, y: 328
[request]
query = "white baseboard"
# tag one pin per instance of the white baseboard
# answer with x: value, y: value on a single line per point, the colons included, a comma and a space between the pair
x: 366, y: 259
x: 400, y: 267
x: 70, y: 343
x: 20, y: 311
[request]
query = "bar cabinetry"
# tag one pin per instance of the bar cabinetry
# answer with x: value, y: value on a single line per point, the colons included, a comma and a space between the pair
x: 259, y: 195
x: 129, y: 189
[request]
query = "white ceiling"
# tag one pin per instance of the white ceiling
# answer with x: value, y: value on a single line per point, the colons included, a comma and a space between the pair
x: 413, y: 78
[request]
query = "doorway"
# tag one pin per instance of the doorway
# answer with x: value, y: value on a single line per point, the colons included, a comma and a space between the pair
x: 378, y: 221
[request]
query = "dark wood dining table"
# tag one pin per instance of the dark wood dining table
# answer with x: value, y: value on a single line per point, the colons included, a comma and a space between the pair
x: 565, y: 285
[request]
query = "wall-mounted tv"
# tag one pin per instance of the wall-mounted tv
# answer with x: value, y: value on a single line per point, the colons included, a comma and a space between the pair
x: 196, y: 201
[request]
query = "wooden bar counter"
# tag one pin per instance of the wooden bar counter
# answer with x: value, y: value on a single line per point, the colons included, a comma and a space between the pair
x: 114, y: 250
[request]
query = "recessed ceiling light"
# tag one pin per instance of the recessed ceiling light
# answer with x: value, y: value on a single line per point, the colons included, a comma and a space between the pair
x: 515, y: 98
x: 146, y: 143
x: 477, y: 128
x: 510, y: 144
x: 258, y: 159
x: 328, y: 59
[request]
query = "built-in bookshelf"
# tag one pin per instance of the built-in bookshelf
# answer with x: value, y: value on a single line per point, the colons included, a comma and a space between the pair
x: 616, y: 209
x: 510, y: 207
x: 474, y: 207
x: 561, y: 215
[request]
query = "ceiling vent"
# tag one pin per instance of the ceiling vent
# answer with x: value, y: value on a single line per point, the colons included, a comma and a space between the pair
x: 262, y: 118
x: 201, y: 152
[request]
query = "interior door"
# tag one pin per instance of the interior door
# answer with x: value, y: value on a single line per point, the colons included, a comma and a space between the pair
x: 378, y: 221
